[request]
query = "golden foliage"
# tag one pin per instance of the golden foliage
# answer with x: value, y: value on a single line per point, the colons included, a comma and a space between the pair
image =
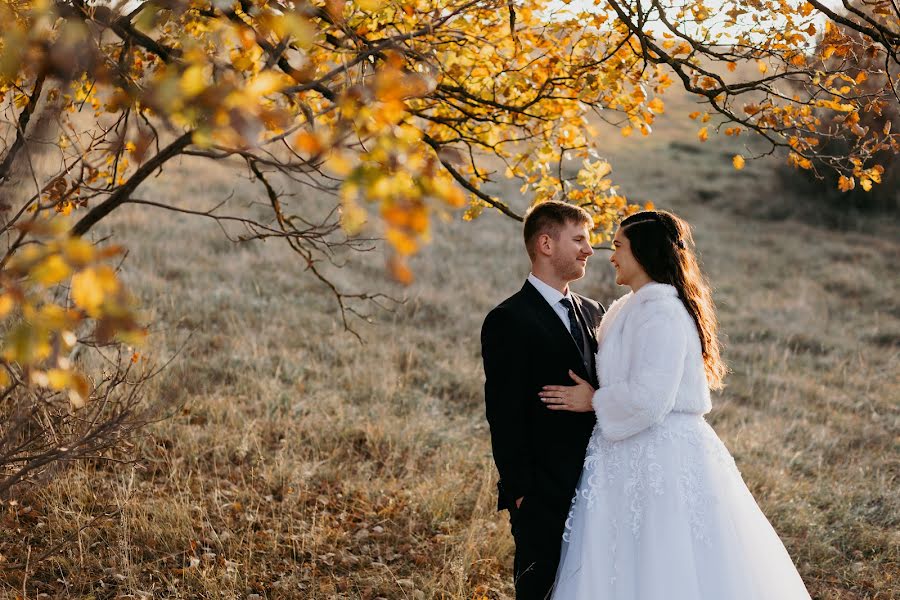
x: 43, y: 324
x: 401, y: 106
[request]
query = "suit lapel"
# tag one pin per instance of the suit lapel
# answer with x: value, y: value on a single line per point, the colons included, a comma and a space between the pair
x: 552, y: 325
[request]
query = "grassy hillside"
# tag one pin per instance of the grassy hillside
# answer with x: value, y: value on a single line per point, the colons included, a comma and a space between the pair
x: 301, y: 463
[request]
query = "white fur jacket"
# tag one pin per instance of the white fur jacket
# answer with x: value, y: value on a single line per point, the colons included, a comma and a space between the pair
x: 649, y: 363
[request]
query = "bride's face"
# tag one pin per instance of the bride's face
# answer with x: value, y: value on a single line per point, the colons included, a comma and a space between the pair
x: 628, y: 269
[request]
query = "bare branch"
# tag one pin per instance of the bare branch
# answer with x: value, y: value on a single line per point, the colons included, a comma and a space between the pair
x: 21, y: 127
x: 122, y: 193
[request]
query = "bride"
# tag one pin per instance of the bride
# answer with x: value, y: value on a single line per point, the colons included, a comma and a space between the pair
x: 661, y: 511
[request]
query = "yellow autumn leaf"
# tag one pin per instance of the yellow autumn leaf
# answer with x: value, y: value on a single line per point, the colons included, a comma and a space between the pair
x: 400, y: 271
x: 798, y: 60
x: 846, y: 183
x: 53, y: 317
x: 51, y: 270
x: 6, y: 304
x: 132, y: 337
x: 91, y: 286
x: 703, y: 134
x: 79, y: 390
x: 656, y: 105
x: 838, y: 106
x: 110, y: 252
x: 22, y: 344
x: 875, y: 173
x: 453, y: 195
x: 402, y: 242
x: 78, y: 251
x: 58, y: 379
x: 307, y: 142
x: 353, y: 216
x: 593, y: 172
x: 193, y: 80
x: 627, y: 131
x: 86, y: 291
x: 866, y: 183
x: 302, y: 32
x: 762, y: 67
x: 202, y: 137
x: 389, y: 112
x: 738, y: 161
x: 799, y: 161
x: 383, y: 188
x: 339, y: 164
x: 265, y: 83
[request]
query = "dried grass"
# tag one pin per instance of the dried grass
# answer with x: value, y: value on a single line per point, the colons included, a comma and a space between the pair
x: 303, y: 464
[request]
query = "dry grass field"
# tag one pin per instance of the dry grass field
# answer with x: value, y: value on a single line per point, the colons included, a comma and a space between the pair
x: 298, y: 462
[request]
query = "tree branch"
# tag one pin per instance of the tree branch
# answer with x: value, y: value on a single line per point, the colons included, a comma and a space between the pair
x: 502, y: 207
x: 122, y: 193
x: 21, y: 126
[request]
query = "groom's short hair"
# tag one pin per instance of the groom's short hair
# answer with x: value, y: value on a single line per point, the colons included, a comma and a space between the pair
x: 549, y: 217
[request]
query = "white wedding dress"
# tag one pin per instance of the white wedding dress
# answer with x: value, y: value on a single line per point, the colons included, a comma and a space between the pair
x: 661, y: 511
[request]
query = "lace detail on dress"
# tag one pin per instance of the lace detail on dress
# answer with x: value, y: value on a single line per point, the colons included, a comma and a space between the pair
x: 633, y: 464
x: 592, y: 477
x: 664, y: 514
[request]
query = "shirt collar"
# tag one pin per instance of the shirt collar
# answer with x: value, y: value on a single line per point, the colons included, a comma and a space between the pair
x: 550, y: 294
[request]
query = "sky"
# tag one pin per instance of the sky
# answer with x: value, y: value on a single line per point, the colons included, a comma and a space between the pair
x: 716, y: 23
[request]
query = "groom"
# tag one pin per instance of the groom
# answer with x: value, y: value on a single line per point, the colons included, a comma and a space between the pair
x: 542, y: 335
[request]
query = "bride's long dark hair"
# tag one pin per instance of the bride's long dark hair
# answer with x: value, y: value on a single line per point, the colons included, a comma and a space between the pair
x: 662, y: 243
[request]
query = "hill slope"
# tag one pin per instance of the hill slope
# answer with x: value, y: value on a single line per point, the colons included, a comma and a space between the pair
x: 301, y: 463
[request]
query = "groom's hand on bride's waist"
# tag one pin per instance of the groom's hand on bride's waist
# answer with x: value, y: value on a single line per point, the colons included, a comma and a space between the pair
x: 575, y: 398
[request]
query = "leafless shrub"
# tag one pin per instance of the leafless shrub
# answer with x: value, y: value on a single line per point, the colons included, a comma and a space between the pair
x: 42, y: 431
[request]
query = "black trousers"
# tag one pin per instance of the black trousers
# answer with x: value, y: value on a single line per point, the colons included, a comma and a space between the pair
x: 537, y: 528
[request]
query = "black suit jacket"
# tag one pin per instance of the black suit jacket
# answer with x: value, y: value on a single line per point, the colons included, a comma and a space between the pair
x: 525, y: 346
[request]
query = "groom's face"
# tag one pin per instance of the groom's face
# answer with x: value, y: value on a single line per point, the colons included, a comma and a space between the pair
x: 571, y: 250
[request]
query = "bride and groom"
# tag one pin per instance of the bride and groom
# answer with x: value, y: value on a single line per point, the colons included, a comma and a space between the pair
x: 616, y: 487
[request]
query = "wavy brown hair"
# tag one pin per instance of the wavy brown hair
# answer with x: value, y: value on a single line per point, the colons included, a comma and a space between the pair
x: 662, y: 243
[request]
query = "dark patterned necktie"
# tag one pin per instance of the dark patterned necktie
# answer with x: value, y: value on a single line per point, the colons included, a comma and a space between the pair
x: 574, y: 327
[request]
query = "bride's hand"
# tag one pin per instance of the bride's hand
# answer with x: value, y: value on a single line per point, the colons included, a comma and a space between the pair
x: 575, y: 398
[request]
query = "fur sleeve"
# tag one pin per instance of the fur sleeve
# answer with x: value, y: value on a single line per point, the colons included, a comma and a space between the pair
x: 655, y: 369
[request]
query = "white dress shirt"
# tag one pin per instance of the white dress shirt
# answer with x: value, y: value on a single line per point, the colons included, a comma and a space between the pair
x: 553, y: 296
